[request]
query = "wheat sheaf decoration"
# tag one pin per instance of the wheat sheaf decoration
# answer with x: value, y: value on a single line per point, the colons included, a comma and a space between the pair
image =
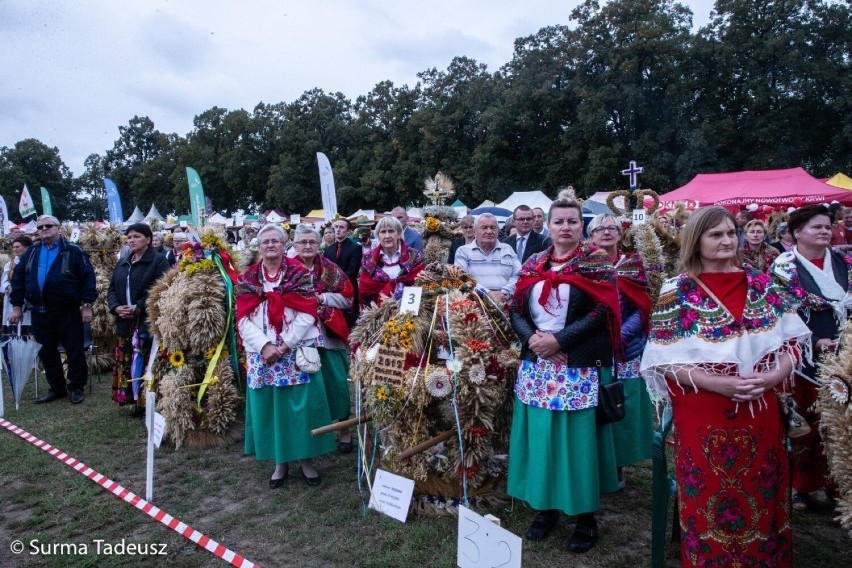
x: 631, y: 200
x: 835, y: 407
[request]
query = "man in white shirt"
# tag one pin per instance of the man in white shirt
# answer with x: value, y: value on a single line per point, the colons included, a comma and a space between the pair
x: 493, y: 264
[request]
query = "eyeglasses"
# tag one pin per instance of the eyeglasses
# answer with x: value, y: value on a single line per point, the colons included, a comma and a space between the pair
x: 43, y: 227
x: 270, y: 242
x: 598, y: 230
x: 307, y: 243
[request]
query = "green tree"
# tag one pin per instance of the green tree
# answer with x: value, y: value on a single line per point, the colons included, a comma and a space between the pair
x: 35, y: 164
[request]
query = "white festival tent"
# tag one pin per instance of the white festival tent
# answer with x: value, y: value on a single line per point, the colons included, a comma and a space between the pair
x: 136, y: 217
x: 531, y: 198
x: 153, y: 215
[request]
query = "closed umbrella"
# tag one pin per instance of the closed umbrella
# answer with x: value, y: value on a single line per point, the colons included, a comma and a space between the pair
x: 22, y: 360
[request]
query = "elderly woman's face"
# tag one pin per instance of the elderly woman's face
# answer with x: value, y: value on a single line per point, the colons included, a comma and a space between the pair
x: 328, y: 236
x: 270, y: 245
x: 606, y: 234
x: 157, y: 241
x: 755, y: 235
x: 389, y: 238
x: 307, y: 246
x: 719, y: 242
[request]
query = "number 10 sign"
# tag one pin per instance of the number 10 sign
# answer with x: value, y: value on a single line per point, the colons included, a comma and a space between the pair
x: 483, y: 544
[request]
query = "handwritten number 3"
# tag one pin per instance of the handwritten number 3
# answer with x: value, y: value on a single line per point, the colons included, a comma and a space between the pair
x: 411, y: 298
x: 471, y: 541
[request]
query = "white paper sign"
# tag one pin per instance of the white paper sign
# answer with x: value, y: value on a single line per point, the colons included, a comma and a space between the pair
x: 410, y: 302
x: 482, y: 543
x: 391, y: 494
x: 159, y: 429
x: 295, y: 219
x: 75, y: 235
x: 639, y: 216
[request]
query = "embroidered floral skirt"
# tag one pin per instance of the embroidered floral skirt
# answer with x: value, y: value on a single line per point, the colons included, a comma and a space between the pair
x: 561, y: 459
x: 279, y: 421
x: 733, y: 476
x: 335, y: 373
x: 122, y: 386
x: 810, y: 466
x: 634, y: 434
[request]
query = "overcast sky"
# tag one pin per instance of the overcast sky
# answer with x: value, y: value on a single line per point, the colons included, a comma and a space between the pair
x: 73, y: 71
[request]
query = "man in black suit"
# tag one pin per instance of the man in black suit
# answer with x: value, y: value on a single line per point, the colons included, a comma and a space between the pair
x: 346, y: 254
x: 526, y: 242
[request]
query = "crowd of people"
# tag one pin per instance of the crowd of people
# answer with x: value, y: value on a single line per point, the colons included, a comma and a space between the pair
x: 747, y: 316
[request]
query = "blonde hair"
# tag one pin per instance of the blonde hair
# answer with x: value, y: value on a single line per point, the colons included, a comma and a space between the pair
x: 756, y: 223
x: 698, y: 223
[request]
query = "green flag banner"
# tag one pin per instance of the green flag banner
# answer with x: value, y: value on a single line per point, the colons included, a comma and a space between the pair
x: 196, y: 196
x: 47, y: 209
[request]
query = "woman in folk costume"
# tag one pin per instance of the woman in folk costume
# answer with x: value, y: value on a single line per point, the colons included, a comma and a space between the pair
x: 132, y: 278
x: 566, y: 314
x: 634, y: 435
x: 388, y: 267
x: 722, y: 340
x: 755, y: 251
x: 818, y: 278
x: 334, y: 293
x: 276, y: 315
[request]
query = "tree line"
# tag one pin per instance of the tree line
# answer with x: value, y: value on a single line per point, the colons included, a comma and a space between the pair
x: 765, y: 84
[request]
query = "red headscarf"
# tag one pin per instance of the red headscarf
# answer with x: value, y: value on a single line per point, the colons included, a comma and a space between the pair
x: 328, y: 277
x: 589, y: 269
x: 372, y: 280
x: 294, y: 291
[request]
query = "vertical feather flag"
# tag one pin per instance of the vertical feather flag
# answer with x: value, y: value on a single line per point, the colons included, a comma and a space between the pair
x: 25, y: 206
x: 329, y: 194
x: 196, y: 196
x: 4, y: 216
x: 116, y: 216
x: 46, y: 207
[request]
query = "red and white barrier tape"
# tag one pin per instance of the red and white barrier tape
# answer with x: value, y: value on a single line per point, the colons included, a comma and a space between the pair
x: 154, y: 512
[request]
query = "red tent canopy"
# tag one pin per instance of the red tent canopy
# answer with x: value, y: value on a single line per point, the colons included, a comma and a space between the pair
x: 778, y: 188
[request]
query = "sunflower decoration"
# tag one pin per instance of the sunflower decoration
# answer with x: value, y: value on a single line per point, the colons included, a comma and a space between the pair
x: 458, y: 373
x: 190, y: 313
x: 835, y: 423
x: 176, y: 359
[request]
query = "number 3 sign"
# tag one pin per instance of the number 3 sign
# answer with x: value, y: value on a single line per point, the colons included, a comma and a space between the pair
x: 410, y: 302
x: 483, y: 544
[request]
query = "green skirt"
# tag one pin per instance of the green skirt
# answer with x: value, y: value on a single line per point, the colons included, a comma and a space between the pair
x: 634, y: 435
x: 335, y: 373
x: 279, y: 421
x: 561, y: 459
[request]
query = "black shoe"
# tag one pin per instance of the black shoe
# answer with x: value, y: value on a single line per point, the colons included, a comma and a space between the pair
x: 584, y: 538
x: 313, y: 481
x: 276, y: 483
x: 77, y: 397
x: 345, y: 447
x: 50, y: 397
x: 542, y: 524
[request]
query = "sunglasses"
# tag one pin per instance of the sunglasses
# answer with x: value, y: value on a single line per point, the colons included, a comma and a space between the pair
x: 43, y: 227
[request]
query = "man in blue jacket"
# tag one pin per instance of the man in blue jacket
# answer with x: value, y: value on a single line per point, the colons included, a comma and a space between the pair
x: 57, y: 282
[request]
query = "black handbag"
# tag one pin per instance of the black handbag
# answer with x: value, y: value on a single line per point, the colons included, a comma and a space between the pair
x: 610, y: 401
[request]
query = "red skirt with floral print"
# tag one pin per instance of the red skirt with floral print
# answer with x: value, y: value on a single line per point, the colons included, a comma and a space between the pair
x: 733, y: 479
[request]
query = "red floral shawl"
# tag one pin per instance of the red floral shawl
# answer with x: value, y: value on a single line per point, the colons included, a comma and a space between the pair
x: 632, y: 284
x: 294, y: 291
x: 589, y: 269
x: 372, y: 280
x: 328, y: 277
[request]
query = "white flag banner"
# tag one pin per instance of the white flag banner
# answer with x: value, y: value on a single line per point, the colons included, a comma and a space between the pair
x: 4, y: 217
x: 26, y: 207
x: 329, y: 194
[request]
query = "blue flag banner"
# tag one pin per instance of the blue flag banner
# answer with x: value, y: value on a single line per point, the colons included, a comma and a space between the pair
x: 116, y: 217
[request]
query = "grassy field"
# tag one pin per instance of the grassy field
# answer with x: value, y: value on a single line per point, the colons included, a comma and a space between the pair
x: 225, y: 496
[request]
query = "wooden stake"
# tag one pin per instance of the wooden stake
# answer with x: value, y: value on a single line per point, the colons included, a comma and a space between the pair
x: 422, y: 446
x: 342, y: 425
